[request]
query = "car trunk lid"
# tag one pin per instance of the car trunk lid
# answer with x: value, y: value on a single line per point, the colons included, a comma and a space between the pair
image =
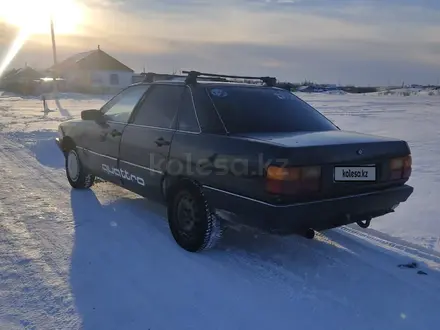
x: 331, y: 147
x: 350, y: 162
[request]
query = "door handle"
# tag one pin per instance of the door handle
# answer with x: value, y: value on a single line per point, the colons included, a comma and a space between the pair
x: 162, y: 142
x: 115, y: 133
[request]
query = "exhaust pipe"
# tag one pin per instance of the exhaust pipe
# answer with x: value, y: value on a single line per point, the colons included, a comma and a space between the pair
x: 365, y: 223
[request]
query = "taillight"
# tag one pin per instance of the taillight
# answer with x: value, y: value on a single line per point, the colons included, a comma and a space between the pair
x: 293, y: 180
x: 401, y: 167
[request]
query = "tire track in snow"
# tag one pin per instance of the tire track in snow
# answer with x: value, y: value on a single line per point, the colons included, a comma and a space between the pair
x: 30, y: 205
x: 47, y: 193
x: 410, y: 250
x: 386, y: 256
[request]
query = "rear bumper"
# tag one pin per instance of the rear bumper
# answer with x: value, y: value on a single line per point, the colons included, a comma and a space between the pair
x: 318, y: 215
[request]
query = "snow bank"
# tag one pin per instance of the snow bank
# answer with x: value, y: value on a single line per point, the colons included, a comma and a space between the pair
x: 409, y: 92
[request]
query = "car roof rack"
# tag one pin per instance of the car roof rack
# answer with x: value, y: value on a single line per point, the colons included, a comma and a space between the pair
x: 151, y: 76
x: 193, y: 75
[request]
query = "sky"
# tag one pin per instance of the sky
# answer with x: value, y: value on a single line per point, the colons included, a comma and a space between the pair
x: 361, y: 42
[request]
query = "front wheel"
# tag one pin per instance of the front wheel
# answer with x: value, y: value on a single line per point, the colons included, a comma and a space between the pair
x: 192, y: 223
x: 76, y: 174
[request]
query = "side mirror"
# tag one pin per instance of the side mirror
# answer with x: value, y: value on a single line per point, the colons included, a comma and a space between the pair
x: 92, y: 114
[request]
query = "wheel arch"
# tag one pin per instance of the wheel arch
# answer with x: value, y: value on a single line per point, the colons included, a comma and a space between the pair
x: 214, y: 229
x: 171, y: 184
x: 67, y: 143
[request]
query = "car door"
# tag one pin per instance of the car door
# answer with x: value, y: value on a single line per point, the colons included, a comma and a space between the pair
x: 147, y: 138
x: 103, y: 138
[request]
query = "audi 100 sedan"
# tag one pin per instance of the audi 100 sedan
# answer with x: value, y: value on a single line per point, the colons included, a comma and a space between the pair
x: 222, y: 153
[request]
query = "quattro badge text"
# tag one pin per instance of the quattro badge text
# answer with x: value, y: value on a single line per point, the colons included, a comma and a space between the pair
x: 121, y: 173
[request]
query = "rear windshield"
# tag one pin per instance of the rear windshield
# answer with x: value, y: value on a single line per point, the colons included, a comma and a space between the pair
x: 254, y: 109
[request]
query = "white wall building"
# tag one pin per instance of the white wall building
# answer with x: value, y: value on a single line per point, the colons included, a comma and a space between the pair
x: 94, y: 71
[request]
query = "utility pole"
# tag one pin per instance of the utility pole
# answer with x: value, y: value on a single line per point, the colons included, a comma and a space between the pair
x: 54, y: 52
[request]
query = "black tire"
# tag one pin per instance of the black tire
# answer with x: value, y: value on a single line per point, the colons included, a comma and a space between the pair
x: 78, y: 178
x: 192, y: 223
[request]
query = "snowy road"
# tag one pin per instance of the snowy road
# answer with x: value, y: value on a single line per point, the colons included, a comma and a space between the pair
x: 104, y: 259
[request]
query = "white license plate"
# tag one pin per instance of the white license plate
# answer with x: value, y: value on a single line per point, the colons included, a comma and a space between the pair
x: 355, y: 173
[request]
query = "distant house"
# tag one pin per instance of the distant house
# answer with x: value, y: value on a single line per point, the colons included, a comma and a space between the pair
x: 24, y: 80
x: 21, y: 75
x: 93, y: 71
x: 137, y: 77
x: 7, y: 74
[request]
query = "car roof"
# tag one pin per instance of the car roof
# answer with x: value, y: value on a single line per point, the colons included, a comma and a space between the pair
x: 205, y: 83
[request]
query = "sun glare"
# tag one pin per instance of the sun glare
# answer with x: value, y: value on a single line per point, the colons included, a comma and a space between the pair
x: 34, y: 16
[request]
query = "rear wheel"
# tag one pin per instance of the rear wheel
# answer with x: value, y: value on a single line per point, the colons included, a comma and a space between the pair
x: 76, y: 174
x: 192, y: 223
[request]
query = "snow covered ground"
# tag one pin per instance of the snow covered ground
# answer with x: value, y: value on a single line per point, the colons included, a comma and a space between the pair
x: 104, y: 259
x: 410, y: 91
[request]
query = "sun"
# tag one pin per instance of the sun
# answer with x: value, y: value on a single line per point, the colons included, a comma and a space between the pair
x: 34, y: 16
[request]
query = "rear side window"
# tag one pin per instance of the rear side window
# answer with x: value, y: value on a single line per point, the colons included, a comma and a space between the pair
x: 187, y: 120
x: 263, y: 109
x: 160, y: 106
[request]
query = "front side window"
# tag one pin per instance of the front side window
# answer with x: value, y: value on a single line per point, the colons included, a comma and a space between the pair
x: 160, y: 106
x: 263, y: 110
x: 122, y: 105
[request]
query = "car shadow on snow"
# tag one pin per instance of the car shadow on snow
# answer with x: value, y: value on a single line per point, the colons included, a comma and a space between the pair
x: 42, y: 145
x: 128, y: 273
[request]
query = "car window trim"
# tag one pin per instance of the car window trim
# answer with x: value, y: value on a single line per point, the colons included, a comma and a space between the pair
x: 298, y: 98
x: 144, y: 97
x: 163, y: 129
x: 113, y: 98
x: 216, y: 110
x: 142, y: 100
x: 194, y: 110
x: 134, y: 108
